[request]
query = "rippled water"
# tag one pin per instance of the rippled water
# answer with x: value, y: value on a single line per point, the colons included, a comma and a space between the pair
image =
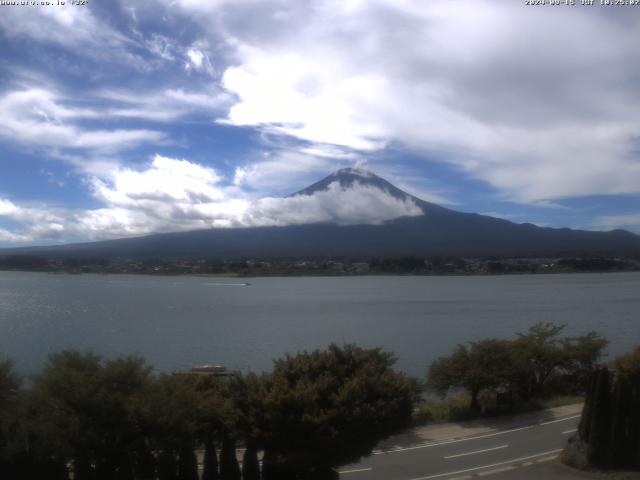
x: 178, y: 321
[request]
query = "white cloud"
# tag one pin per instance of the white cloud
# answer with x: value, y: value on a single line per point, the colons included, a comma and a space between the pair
x: 483, y: 85
x: 166, y: 105
x: 38, y: 117
x: 8, y: 236
x: 308, y: 96
x: 196, y: 58
x: 239, y: 176
x: 630, y: 221
x: 285, y: 170
x: 62, y: 25
x: 360, y: 204
x: 74, y: 28
x: 166, y: 178
x: 7, y: 208
x: 169, y: 195
x: 36, y: 221
x: 173, y: 195
x: 177, y: 195
x: 162, y: 47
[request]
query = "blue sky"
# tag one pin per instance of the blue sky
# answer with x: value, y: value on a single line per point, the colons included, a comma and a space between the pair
x: 126, y: 118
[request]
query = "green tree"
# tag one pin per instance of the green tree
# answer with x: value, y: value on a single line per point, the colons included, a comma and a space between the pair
x: 582, y: 354
x: 540, y: 355
x: 628, y: 366
x: 80, y: 412
x: 170, y: 410
x: 10, y: 384
x: 610, y: 423
x: 327, y: 408
x: 480, y: 365
x: 600, y: 420
x: 536, y: 355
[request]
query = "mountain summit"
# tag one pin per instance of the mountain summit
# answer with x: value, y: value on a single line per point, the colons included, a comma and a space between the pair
x: 424, y: 229
x: 355, y: 177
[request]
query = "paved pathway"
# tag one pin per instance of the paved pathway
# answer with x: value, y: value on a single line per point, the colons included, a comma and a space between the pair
x: 522, y: 446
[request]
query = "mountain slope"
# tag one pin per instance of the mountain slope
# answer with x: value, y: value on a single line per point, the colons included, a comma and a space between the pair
x: 438, y: 231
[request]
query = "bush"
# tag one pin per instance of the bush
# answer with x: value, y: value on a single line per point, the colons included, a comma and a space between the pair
x: 451, y: 409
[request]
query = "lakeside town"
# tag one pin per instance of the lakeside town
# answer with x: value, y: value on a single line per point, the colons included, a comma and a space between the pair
x: 324, y: 266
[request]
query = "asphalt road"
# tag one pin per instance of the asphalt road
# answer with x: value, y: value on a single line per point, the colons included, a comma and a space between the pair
x: 467, y: 457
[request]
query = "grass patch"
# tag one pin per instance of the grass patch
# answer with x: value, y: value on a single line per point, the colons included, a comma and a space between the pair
x: 456, y: 408
x: 546, y: 402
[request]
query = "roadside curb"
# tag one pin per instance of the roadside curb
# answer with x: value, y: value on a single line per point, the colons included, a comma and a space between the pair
x: 453, y: 431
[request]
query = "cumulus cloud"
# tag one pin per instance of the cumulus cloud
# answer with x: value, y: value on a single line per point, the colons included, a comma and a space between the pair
x: 36, y: 222
x: 177, y: 195
x: 278, y: 170
x: 541, y: 104
x: 498, y: 90
x: 169, y: 195
x: 360, y: 204
x: 174, y: 194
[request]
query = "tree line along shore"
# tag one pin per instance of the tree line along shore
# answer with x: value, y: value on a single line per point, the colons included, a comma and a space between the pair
x: 86, y: 417
x: 324, y: 266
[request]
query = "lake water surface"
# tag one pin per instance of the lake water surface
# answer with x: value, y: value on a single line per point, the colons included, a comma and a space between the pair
x: 175, y: 322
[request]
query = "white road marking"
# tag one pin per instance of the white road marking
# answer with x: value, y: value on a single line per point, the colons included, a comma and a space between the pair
x: 497, y: 470
x: 477, y: 451
x: 566, y: 432
x: 546, y: 459
x: 514, y: 460
x: 429, y: 445
x: 560, y: 420
x: 356, y: 470
x: 467, y: 439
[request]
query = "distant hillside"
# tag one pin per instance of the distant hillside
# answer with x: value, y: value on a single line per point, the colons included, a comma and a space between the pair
x: 437, y: 232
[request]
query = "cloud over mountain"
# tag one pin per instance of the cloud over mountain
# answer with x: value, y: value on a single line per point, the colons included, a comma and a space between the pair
x: 177, y: 195
x: 492, y: 106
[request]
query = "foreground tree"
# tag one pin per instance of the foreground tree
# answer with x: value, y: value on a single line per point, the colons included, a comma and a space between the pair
x: 540, y: 355
x: 327, y: 408
x: 9, y: 389
x: 609, y: 430
x: 628, y: 366
x: 79, y: 411
x: 525, y: 365
x: 169, y: 410
x: 479, y: 366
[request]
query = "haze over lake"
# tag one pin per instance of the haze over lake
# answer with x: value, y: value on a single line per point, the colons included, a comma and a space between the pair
x: 175, y: 322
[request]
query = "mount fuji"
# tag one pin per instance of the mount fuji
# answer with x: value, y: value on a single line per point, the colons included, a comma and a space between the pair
x: 413, y: 227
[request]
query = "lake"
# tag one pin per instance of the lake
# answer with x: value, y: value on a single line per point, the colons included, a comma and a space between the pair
x: 175, y: 322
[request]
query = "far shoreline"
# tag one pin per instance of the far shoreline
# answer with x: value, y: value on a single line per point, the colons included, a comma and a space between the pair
x: 318, y: 275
